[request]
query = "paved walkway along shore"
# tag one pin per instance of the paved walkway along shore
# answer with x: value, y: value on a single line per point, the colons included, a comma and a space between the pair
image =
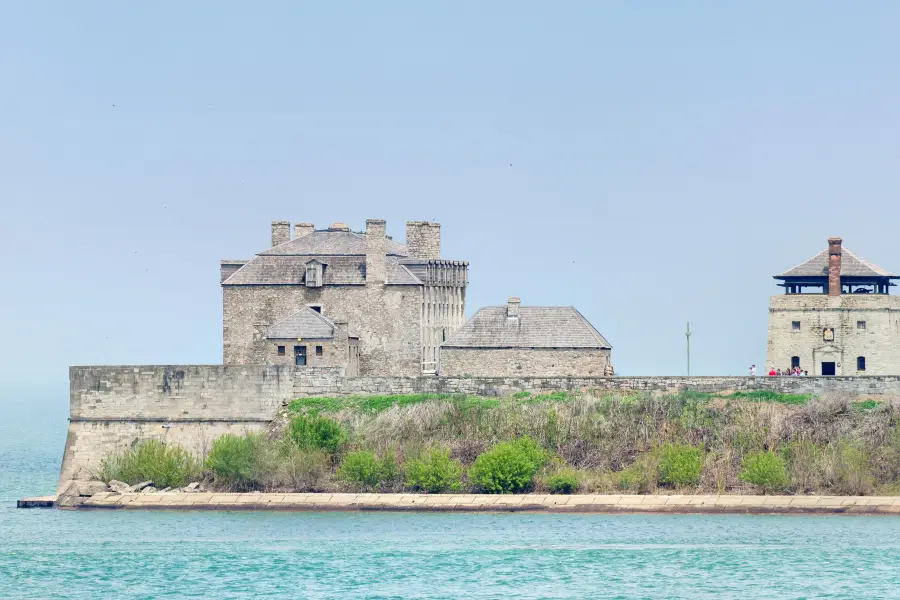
x: 482, y: 502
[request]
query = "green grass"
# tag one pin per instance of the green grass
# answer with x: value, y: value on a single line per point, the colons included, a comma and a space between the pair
x: 465, y: 402
x: 378, y: 404
x: 316, y: 405
x: 865, y: 405
x: 770, y: 396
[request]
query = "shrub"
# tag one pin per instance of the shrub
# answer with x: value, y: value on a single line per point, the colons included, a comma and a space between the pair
x: 766, y: 470
x: 243, y: 463
x: 508, y: 467
x: 153, y: 460
x: 642, y: 476
x: 304, y: 471
x: 804, y: 461
x: 364, y: 471
x: 564, y: 482
x: 680, y: 465
x: 850, y: 470
x: 434, y: 472
x: 315, y: 432
x: 391, y: 474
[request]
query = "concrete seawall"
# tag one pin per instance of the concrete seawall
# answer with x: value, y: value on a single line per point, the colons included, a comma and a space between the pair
x: 850, y: 505
x: 112, y: 407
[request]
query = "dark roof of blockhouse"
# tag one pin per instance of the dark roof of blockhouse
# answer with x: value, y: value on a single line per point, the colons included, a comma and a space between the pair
x: 339, y: 270
x: 306, y: 323
x: 536, y: 327
x: 851, y: 266
x: 331, y: 243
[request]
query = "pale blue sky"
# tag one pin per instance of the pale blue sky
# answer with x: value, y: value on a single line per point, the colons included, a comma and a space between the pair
x: 667, y: 159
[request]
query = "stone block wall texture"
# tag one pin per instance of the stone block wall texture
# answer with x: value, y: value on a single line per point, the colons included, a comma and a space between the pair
x: 878, y: 342
x: 111, y: 408
x: 423, y: 239
x: 323, y: 382
x: 387, y: 320
x: 335, y: 353
x: 88, y: 442
x: 523, y: 362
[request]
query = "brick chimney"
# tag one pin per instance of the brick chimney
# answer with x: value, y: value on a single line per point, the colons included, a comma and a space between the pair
x: 834, y: 266
x: 376, y: 243
x: 281, y: 232
x: 423, y: 239
x: 301, y: 229
x: 512, y: 307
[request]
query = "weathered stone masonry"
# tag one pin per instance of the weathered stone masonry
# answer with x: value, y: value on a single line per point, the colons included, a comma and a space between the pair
x: 191, y: 405
x: 401, y: 302
x: 836, y: 317
x: 188, y: 405
x: 510, y: 362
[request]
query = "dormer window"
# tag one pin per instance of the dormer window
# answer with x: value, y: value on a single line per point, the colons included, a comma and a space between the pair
x: 314, y: 273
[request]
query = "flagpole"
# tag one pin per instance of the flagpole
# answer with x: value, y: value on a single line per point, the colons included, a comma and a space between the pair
x: 688, y: 336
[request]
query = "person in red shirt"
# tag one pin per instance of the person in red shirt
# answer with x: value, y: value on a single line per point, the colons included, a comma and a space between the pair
x: 772, y: 372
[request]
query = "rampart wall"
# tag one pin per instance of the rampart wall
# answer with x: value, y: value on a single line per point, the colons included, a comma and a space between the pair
x: 190, y: 405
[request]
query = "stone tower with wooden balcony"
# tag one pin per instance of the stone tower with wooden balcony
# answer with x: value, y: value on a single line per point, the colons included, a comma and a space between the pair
x: 836, y: 317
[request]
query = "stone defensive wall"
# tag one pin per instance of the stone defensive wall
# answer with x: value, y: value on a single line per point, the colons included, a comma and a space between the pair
x: 112, y: 407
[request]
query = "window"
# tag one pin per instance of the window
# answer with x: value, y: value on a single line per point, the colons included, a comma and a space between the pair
x: 795, y: 362
x: 861, y: 363
x: 795, y: 325
x: 280, y: 350
x: 313, y: 274
x: 318, y: 350
x: 828, y: 334
x: 316, y: 307
x: 860, y: 324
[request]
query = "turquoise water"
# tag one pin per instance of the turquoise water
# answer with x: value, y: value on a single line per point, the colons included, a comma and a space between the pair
x: 118, y: 554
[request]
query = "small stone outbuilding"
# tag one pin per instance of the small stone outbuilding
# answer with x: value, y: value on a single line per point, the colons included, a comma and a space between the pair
x: 526, y: 341
x: 306, y: 337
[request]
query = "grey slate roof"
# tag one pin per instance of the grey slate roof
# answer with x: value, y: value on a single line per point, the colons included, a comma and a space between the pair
x: 399, y: 274
x: 303, y: 324
x: 536, y: 327
x: 330, y: 243
x: 339, y: 270
x: 851, y: 266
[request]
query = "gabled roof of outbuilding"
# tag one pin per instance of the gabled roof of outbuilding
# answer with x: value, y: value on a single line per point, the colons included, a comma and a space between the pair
x: 851, y: 266
x: 331, y: 243
x: 536, y: 327
x: 306, y: 323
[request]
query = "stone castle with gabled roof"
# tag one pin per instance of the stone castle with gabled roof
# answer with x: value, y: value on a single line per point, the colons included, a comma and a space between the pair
x: 836, y: 317
x: 381, y: 308
x: 363, y: 303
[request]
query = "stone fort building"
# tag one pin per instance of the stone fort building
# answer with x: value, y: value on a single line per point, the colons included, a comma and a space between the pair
x: 836, y: 317
x: 339, y: 298
x: 516, y: 341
